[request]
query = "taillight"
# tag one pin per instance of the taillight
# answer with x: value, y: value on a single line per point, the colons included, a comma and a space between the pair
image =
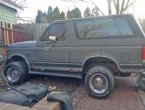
x: 143, y: 53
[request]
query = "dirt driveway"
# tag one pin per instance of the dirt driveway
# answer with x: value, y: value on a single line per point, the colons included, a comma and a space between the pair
x: 124, y: 96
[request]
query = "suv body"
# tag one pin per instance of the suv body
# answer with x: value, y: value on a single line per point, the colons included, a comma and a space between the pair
x: 115, y: 42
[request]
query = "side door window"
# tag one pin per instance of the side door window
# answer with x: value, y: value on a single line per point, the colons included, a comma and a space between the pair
x: 58, y: 30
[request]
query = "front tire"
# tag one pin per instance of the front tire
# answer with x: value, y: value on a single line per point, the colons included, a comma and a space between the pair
x: 16, y: 72
x: 99, y: 81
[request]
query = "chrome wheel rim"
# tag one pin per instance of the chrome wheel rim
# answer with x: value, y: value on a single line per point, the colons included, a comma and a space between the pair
x: 98, y: 83
x: 13, y: 74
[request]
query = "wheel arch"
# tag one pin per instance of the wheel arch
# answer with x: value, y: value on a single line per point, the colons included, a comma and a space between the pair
x: 17, y: 58
x: 100, y: 59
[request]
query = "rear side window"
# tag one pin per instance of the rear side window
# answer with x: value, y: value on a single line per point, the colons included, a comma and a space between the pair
x: 103, y: 28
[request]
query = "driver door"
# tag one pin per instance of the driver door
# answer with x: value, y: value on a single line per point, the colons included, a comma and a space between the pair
x: 53, y: 55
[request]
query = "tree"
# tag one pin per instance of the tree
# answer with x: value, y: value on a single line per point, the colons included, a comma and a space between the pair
x: 120, y: 6
x: 44, y: 17
x: 49, y: 14
x: 62, y: 16
x: 56, y: 14
x: 87, y: 12
x: 68, y: 14
x: 39, y: 17
x: 95, y: 12
x: 74, y: 2
x: 75, y: 13
x: 87, y: 1
x: 20, y: 3
x: 109, y: 7
x: 52, y: 15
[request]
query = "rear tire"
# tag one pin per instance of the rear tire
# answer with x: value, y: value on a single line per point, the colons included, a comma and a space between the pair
x: 99, y: 81
x: 16, y: 72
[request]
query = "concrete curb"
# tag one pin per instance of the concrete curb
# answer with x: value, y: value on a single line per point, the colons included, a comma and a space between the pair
x: 140, y: 91
x: 142, y: 95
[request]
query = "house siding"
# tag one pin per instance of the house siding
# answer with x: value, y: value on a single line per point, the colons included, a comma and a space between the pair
x: 7, y: 15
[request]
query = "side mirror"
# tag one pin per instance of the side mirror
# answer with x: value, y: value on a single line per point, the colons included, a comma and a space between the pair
x: 53, y: 38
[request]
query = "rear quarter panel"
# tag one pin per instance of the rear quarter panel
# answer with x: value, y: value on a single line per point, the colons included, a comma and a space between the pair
x: 126, y: 51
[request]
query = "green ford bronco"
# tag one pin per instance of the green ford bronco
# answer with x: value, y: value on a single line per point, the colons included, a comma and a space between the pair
x: 94, y: 49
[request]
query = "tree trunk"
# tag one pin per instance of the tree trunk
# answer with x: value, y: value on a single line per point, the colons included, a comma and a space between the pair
x: 109, y: 7
x: 118, y: 7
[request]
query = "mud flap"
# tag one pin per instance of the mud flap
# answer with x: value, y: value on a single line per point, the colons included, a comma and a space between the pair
x: 141, y: 81
x: 33, y: 91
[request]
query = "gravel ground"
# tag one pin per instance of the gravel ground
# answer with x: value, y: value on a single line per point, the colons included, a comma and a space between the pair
x: 124, y: 96
x: 2, y: 79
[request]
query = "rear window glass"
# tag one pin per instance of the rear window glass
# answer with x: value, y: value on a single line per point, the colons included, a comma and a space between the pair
x: 103, y: 28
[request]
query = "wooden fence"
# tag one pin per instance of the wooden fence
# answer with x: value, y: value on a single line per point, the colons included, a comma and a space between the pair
x: 35, y: 30
x: 13, y: 33
x: 19, y: 32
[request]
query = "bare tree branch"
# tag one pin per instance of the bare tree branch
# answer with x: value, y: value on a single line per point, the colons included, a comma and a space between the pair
x: 122, y: 6
x: 115, y: 4
x: 93, y: 3
x: 118, y: 6
x: 126, y: 6
x: 21, y: 3
x: 109, y: 6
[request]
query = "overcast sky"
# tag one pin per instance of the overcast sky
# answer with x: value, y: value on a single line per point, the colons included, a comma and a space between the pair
x: 33, y: 6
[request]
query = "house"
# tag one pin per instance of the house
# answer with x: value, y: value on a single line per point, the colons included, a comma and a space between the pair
x: 8, y: 17
x: 8, y: 11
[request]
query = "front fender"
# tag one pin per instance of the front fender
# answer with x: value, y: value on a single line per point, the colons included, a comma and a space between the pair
x: 18, y: 55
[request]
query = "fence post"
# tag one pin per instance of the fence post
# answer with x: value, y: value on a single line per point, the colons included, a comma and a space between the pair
x: 12, y: 36
x: 2, y: 33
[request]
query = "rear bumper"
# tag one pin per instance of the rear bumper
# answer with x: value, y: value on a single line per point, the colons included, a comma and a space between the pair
x: 130, y: 68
